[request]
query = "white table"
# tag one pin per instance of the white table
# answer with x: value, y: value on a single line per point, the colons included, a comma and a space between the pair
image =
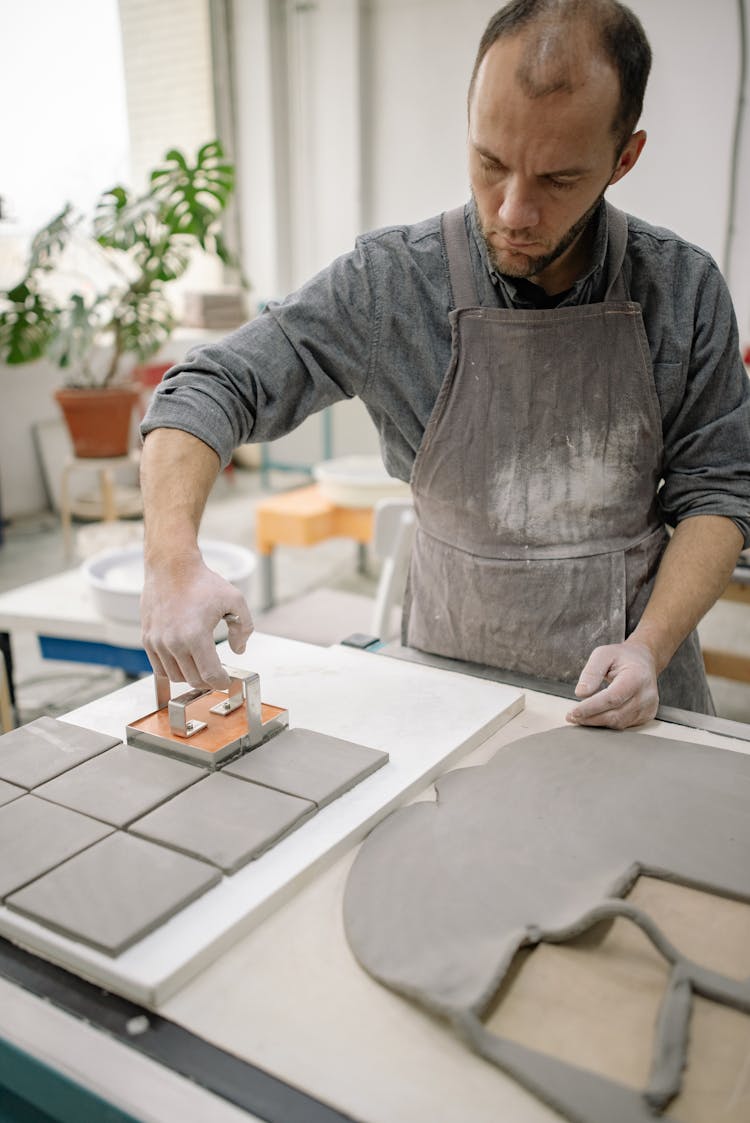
x: 60, y: 611
x: 289, y: 998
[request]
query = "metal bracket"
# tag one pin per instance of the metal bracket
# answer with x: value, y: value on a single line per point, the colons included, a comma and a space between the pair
x: 244, y: 691
x: 244, y: 688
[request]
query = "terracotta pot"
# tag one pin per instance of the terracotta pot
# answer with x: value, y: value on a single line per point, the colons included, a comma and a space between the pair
x: 148, y: 377
x: 99, y: 420
x: 150, y: 374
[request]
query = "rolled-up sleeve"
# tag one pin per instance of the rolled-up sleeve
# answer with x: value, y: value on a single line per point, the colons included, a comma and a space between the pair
x: 261, y: 381
x: 707, y: 433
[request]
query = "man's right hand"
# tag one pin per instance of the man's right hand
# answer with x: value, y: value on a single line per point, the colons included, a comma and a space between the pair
x: 181, y: 606
x: 183, y: 600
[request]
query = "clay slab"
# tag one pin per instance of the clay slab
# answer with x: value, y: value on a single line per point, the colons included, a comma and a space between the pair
x: 9, y: 792
x: 120, y: 785
x: 541, y: 843
x: 426, y: 718
x: 116, y: 892
x: 35, y: 836
x: 46, y: 747
x: 309, y: 765
x: 225, y: 821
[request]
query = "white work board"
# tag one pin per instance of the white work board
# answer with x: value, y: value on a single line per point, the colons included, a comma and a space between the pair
x: 426, y: 719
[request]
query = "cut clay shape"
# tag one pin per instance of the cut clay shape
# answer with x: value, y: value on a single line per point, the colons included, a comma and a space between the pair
x: 309, y: 765
x: 115, y: 892
x: 46, y: 747
x: 121, y: 784
x: 35, y: 836
x: 9, y: 792
x: 539, y: 845
x: 225, y: 821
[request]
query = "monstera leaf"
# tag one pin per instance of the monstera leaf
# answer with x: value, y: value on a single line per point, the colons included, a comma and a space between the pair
x: 165, y: 261
x: 78, y: 327
x: 51, y: 240
x: 145, y: 241
x: 122, y: 222
x: 27, y: 324
x: 144, y: 321
x: 193, y: 195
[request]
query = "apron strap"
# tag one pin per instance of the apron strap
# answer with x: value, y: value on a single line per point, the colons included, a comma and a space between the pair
x: 617, y: 234
x: 463, y: 285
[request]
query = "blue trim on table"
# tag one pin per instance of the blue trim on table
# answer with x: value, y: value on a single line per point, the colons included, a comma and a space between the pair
x: 241, y: 1083
x: 132, y: 660
x: 32, y: 1092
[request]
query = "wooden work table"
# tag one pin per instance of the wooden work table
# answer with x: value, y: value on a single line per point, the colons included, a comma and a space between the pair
x: 290, y: 999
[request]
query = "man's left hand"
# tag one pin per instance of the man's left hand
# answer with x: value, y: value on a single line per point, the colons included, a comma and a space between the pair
x: 619, y: 685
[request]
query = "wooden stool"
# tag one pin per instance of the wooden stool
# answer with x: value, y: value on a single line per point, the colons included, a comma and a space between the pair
x: 303, y: 517
x: 104, y: 467
x: 728, y: 664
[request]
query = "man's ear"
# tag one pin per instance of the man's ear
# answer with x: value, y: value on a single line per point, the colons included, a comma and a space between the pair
x: 629, y: 156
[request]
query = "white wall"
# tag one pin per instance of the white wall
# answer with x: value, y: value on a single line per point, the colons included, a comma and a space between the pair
x: 682, y: 178
x: 260, y: 158
x: 166, y: 51
x: 419, y: 55
x: 739, y: 273
x: 26, y: 400
x: 415, y: 62
x: 371, y: 130
x: 299, y: 145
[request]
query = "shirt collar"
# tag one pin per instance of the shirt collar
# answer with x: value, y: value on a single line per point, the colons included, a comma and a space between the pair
x: 584, y: 288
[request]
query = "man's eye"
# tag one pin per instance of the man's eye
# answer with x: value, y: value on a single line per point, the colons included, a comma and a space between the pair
x: 562, y: 184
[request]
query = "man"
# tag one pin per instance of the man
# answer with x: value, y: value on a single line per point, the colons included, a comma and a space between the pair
x: 594, y: 393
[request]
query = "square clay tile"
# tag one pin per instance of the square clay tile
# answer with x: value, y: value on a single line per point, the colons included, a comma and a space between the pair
x: 46, y: 747
x: 121, y: 784
x: 307, y: 764
x: 36, y: 836
x: 225, y: 821
x: 9, y: 792
x: 115, y: 893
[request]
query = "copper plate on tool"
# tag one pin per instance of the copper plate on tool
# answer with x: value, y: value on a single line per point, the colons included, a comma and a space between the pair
x: 219, y: 732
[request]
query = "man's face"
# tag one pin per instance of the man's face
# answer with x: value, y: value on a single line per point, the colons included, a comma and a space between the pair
x: 539, y: 165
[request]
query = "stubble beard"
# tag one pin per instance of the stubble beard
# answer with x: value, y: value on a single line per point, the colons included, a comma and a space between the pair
x: 526, y: 266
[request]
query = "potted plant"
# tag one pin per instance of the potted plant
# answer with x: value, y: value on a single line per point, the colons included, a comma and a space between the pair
x: 94, y: 295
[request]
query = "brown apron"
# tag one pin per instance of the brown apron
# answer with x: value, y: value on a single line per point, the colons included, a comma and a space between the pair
x: 535, y: 485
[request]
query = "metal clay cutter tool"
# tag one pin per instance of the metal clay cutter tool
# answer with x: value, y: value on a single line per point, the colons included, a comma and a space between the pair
x: 208, y: 726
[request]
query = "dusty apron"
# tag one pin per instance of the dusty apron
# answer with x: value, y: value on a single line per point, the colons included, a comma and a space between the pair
x: 535, y: 485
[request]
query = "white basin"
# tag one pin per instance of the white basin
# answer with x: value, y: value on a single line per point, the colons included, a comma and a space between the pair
x: 357, y: 481
x: 116, y: 575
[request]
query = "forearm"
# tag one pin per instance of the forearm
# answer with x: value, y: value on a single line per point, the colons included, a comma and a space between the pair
x: 693, y: 573
x: 177, y: 474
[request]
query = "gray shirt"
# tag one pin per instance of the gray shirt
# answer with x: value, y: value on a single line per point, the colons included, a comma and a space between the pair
x: 375, y: 324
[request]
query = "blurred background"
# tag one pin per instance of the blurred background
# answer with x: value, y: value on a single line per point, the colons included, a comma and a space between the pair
x: 340, y: 116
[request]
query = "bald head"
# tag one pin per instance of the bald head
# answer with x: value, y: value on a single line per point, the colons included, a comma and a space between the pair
x: 560, y: 41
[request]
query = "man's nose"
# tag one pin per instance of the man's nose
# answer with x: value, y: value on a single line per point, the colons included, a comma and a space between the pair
x: 518, y: 209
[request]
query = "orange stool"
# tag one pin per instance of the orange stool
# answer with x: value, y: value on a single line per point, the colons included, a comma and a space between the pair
x: 304, y: 517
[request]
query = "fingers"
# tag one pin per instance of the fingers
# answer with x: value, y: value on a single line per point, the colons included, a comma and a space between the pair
x: 178, y: 621
x: 239, y: 627
x: 196, y: 664
x: 631, y: 696
x: 595, y: 672
x: 608, y: 709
